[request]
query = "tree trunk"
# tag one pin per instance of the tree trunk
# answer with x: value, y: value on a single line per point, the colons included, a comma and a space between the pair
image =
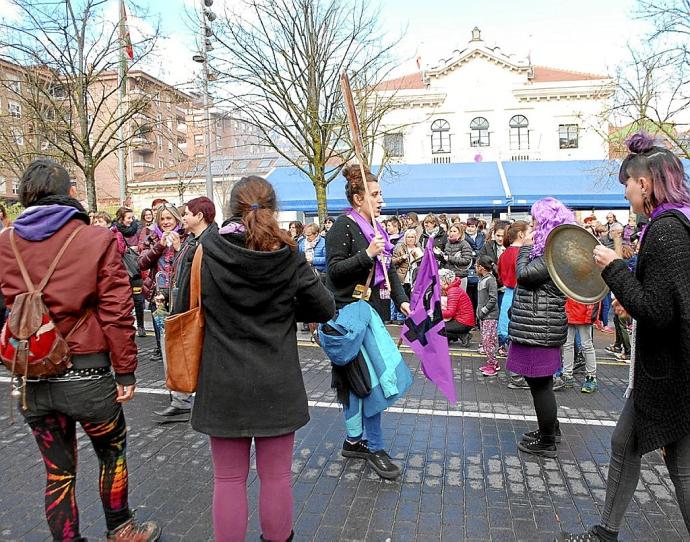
x: 90, y: 180
x: 322, y: 205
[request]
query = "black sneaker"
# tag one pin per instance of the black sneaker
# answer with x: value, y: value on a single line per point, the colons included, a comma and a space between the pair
x: 381, y: 462
x: 538, y: 447
x: 579, y: 365
x: 589, y: 536
x: 531, y: 436
x: 359, y: 449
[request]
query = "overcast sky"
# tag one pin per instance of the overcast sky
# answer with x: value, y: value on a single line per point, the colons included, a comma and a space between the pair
x: 583, y: 35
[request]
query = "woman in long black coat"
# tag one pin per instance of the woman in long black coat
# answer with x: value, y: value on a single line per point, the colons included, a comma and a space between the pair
x: 255, y: 285
x: 657, y: 412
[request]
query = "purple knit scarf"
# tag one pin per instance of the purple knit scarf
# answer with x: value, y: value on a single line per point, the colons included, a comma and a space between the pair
x: 368, y: 232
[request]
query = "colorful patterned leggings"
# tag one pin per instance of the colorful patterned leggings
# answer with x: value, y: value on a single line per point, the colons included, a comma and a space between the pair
x: 56, y: 436
x: 489, y: 330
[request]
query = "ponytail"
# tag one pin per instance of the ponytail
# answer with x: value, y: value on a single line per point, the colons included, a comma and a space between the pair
x: 487, y: 263
x: 254, y: 201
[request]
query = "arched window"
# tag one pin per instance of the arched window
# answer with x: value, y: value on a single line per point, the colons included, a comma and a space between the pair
x: 519, y: 133
x: 479, y: 132
x: 440, y: 137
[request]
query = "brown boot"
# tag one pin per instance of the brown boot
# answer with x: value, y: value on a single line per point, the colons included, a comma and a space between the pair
x: 131, y: 532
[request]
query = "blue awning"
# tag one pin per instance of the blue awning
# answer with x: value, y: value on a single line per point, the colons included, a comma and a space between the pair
x: 405, y: 187
x: 469, y: 187
x: 580, y: 184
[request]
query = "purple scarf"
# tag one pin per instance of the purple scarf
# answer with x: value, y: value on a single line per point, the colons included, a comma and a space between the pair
x: 685, y: 209
x: 232, y: 227
x: 157, y: 230
x: 42, y: 221
x: 368, y: 232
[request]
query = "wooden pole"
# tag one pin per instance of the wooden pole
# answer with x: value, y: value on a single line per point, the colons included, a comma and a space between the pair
x: 356, y: 136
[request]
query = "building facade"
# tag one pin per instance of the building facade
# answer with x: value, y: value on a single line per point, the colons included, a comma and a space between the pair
x: 481, y: 104
x: 168, y: 129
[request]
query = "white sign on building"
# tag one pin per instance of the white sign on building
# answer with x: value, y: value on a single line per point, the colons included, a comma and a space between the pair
x: 481, y: 104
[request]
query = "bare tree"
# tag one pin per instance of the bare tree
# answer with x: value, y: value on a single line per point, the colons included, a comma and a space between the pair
x: 671, y: 21
x: 653, y: 86
x: 283, y: 60
x: 66, y: 53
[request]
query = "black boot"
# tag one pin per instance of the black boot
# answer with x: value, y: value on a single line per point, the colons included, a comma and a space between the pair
x: 292, y: 535
x: 534, y: 435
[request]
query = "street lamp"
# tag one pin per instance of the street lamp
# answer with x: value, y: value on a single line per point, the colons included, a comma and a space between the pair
x: 202, y: 58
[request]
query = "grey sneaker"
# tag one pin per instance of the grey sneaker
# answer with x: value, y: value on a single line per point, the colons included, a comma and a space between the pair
x: 568, y: 382
x: 518, y: 383
x: 558, y: 383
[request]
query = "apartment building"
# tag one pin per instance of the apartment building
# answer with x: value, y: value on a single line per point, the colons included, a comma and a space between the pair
x: 157, y: 134
x: 231, y: 134
x: 16, y: 134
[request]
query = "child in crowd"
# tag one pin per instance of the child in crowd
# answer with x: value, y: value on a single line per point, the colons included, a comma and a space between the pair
x: 102, y: 219
x: 580, y: 320
x: 487, y: 313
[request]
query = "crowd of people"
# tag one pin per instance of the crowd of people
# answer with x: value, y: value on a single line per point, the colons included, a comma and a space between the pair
x: 347, y: 279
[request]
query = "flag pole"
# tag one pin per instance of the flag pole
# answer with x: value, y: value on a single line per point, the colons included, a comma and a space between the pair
x: 122, y: 76
x: 356, y: 136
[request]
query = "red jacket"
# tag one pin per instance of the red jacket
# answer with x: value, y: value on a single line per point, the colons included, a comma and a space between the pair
x: 459, y: 304
x: 580, y: 314
x: 90, y: 275
x: 507, y: 266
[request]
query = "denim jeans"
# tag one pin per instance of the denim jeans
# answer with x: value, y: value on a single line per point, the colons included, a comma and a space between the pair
x: 605, y: 309
x: 624, y: 471
x: 373, y: 431
x: 396, y: 315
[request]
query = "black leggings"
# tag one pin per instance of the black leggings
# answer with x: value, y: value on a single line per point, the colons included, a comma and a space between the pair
x: 544, y: 405
x: 139, y: 309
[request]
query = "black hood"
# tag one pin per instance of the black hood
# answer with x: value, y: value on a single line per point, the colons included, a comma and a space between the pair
x: 242, y: 273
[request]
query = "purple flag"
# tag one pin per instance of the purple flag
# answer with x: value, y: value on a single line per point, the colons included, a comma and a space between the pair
x: 425, y: 323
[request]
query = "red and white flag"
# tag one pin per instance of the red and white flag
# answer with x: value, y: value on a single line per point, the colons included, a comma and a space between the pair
x: 124, y: 32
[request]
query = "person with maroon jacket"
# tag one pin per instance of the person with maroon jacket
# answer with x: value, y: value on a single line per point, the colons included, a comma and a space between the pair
x: 156, y: 255
x: 459, y: 312
x: 90, y: 282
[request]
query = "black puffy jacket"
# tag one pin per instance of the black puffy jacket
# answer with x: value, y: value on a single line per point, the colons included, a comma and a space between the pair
x: 538, y: 312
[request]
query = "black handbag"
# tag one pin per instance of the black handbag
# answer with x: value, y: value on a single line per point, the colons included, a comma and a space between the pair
x: 131, y: 260
x: 357, y: 374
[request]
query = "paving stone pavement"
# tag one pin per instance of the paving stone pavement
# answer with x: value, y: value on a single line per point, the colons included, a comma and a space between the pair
x: 463, y: 478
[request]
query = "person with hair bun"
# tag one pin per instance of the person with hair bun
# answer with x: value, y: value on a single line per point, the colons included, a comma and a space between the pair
x: 255, y: 285
x: 359, y: 260
x: 538, y: 326
x: 656, y: 295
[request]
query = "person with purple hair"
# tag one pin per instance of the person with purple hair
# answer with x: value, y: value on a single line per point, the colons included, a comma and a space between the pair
x: 538, y: 326
x: 657, y: 295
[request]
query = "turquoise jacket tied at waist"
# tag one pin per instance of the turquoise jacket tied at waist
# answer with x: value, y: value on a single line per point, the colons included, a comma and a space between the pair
x: 362, y: 329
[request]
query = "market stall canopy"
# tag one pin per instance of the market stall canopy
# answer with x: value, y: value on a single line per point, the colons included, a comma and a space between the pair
x: 469, y: 187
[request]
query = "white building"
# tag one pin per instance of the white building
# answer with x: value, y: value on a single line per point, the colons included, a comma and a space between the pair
x: 481, y: 104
